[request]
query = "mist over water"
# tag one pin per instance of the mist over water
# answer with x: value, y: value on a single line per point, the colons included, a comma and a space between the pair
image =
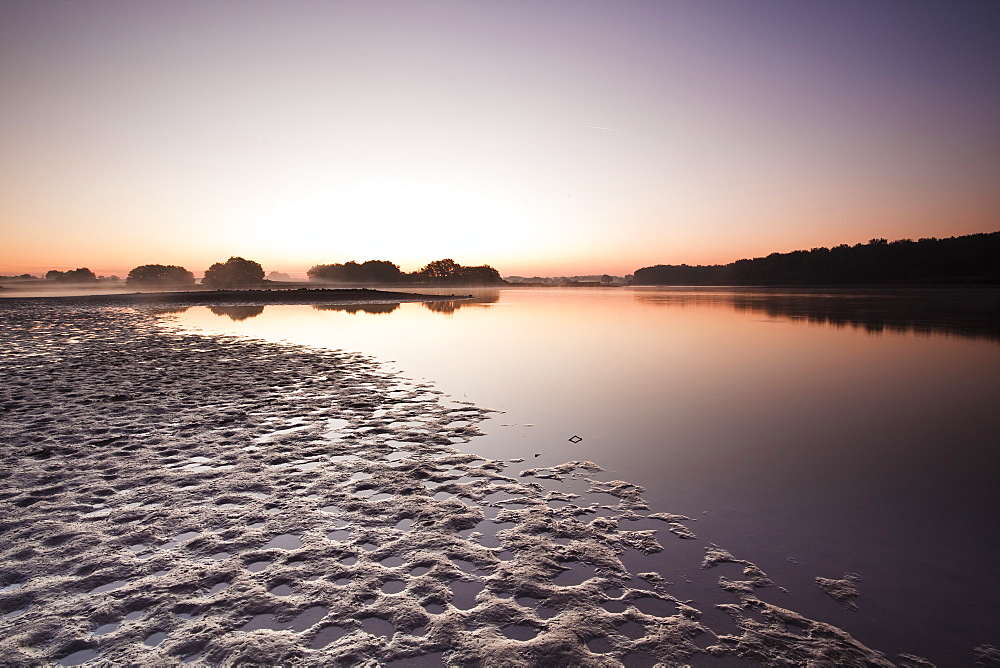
x: 60, y: 289
x: 813, y: 433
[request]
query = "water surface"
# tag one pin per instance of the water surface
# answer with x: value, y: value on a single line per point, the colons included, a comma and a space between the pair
x: 813, y: 433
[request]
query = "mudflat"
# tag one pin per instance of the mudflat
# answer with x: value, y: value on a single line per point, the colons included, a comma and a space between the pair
x: 174, y: 497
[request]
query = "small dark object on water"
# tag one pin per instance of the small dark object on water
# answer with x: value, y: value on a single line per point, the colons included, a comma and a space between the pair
x: 575, y: 439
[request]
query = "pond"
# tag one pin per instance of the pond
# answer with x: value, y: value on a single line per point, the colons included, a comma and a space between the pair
x: 814, y: 433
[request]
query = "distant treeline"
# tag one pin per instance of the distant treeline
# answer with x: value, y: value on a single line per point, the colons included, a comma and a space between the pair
x: 237, y: 272
x: 561, y: 281
x: 382, y: 272
x: 970, y: 259
x: 80, y: 275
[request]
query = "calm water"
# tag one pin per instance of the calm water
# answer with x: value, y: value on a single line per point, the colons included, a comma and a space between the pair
x: 812, y: 433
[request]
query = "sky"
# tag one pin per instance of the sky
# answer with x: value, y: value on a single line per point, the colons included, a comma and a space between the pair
x: 541, y: 137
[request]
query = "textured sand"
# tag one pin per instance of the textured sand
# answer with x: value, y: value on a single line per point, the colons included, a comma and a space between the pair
x: 172, y: 498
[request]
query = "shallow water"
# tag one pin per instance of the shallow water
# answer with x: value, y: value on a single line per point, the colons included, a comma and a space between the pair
x: 813, y: 433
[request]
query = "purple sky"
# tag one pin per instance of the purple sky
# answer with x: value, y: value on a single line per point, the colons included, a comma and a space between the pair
x: 538, y: 137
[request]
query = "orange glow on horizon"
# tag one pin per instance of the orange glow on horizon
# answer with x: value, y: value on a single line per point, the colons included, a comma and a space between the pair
x: 492, y: 133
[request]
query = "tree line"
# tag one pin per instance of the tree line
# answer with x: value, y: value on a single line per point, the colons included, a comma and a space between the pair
x: 382, y: 272
x: 238, y: 272
x: 971, y: 259
x: 79, y: 275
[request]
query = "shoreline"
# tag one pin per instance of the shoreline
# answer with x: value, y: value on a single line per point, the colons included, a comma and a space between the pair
x: 173, y: 496
x: 264, y: 297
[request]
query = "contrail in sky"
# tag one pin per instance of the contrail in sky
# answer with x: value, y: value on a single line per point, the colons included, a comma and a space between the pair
x: 598, y: 127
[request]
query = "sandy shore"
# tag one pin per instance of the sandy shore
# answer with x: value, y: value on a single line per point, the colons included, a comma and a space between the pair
x: 262, y: 297
x: 174, y: 498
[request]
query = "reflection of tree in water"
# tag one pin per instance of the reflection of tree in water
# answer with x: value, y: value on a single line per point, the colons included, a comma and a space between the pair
x: 450, y: 306
x: 238, y: 312
x: 358, y: 308
x: 444, y: 306
x: 972, y: 312
x: 166, y: 310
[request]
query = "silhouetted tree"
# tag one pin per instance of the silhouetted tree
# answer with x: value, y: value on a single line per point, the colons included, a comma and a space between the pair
x: 440, y: 271
x: 481, y: 275
x: 681, y: 274
x: 160, y: 275
x: 81, y: 275
x: 370, y: 272
x: 973, y: 258
x: 382, y: 271
x: 233, y: 273
x: 449, y: 271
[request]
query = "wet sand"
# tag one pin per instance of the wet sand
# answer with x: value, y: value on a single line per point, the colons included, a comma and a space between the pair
x: 174, y: 498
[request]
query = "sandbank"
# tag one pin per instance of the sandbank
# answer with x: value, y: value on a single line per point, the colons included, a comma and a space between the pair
x: 262, y: 297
